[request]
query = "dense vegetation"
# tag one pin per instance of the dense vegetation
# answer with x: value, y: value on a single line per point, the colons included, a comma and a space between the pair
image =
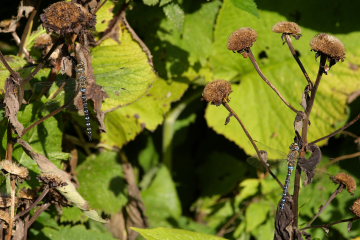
x: 162, y: 161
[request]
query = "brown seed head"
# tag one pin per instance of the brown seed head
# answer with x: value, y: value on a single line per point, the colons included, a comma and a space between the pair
x: 288, y: 28
x: 52, y: 180
x: 67, y: 17
x: 14, y: 169
x: 347, y: 180
x: 242, y: 39
x: 217, y: 92
x: 356, y: 207
x: 5, y: 216
x: 328, y: 45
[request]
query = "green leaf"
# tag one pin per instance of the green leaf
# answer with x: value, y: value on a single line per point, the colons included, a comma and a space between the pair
x: 150, y: 2
x: 15, y: 63
x: 123, y: 70
x: 249, y: 187
x: 173, y: 234
x: 104, y: 16
x: 148, y: 112
x: 256, y: 214
x: 101, y: 178
x: 246, y: 5
x: 175, y: 14
x: 78, y: 232
x: 267, y: 119
x: 72, y: 214
x: 161, y: 200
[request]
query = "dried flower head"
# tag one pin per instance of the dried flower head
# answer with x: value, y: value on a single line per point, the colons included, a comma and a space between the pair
x: 5, y: 216
x: 242, y: 39
x: 13, y: 168
x: 5, y: 201
x: 356, y: 207
x: 328, y: 45
x: 67, y: 17
x: 52, y: 180
x: 347, y: 180
x: 43, y: 40
x: 217, y: 92
x: 290, y: 28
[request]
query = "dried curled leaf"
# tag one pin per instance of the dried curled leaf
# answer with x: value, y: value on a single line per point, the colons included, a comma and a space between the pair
x: 309, y: 165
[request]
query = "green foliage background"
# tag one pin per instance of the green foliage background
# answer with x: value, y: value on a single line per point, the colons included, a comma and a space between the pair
x: 191, y: 168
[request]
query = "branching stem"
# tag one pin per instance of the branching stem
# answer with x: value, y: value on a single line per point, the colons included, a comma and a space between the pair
x: 257, y: 67
x: 227, y: 106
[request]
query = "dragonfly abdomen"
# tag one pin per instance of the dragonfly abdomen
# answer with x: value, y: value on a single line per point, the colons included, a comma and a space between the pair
x: 80, y: 70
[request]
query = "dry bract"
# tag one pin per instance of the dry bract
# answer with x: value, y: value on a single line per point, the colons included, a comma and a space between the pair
x: 67, y: 17
x: 356, y: 208
x: 329, y: 45
x: 217, y: 92
x: 52, y: 180
x: 5, y: 216
x: 242, y: 39
x: 14, y: 169
x: 347, y: 180
x: 287, y: 28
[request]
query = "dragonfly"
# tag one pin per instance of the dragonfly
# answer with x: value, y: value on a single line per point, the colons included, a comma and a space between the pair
x: 291, y: 163
x: 64, y: 90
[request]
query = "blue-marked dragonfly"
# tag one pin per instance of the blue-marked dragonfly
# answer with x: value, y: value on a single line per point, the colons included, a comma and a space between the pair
x: 291, y: 160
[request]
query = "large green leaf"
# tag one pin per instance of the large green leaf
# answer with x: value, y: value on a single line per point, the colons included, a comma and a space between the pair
x: 266, y: 117
x: 125, y: 123
x: 15, y: 63
x: 76, y: 232
x: 161, y: 200
x: 101, y: 178
x: 174, y: 234
x: 123, y: 70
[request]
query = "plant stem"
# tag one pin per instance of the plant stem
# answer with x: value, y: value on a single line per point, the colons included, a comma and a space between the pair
x: 343, y: 157
x: 14, y: 74
x: 227, y: 106
x: 338, y: 130
x: 332, y: 197
x: 304, y: 135
x: 293, y: 52
x: 253, y: 60
x: 12, y: 208
x: 331, y: 224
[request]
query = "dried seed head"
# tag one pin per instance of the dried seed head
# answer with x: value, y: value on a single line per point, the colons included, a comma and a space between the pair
x: 52, y: 180
x: 14, y: 169
x: 356, y: 207
x: 329, y: 45
x: 242, y: 39
x: 43, y: 40
x: 67, y: 17
x: 217, y: 92
x: 26, y: 194
x: 5, y: 201
x: 288, y: 28
x: 5, y: 216
x: 347, y: 180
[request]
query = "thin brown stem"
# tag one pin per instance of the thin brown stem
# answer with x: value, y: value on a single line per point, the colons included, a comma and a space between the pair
x: 256, y: 65
x: 28, y: 28
x: 33, y: 205
x: 36, y: 215
x: 10, y: 143
x: 332, y: 197
x: 338, y: 130
x: 331, y: 224
x: 14, y: 74
x: 12, y: 209
x: 343, y: 157
x: 41, y: 64
x: 293, y: 52
x: 26, y: 130
x: 227, y: 106
x: 304, y: 135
